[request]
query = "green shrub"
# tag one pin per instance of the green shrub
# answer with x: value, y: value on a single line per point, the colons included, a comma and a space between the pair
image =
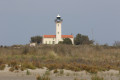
x: 92, y: 70
x: 11, y: 69
x: 42, y: 78
x: 67, y: 41
x: 96, y: 78
x: 37, y: 64
x: 61, y: 71
x: 28, y: 72
x: 12, y: 63
x: 47, y: 73
x: 76, y: 78
x: 2, y: 66
x: 1, y: 61
x: 17, y: 67
x: 68, y: 74
x: 38, y: 78
x: 22, y: 68
x: 52, y: 66
x: 28, y: 66
x: 55, y: 71
x: 25, y: 50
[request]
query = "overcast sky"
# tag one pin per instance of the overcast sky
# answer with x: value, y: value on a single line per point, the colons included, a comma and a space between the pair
x: 21, y: 19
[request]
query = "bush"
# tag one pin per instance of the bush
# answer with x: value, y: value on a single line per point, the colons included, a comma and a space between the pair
x: 47, y: 73
x: 37, y: 64
x: 28, y: 72
x: 61, y: 71
x: 22, y: 68
x: 2, y: 66
x: 68, y: 74
x: 67, y: 41
x: 36, y: 39
x: 116, y: 44
x: 17, y: 67
x: 76, y: 78
x: 11, y: 69
x: 28, y: 66
x: 12, y: 63
x: 42, y: 78
x: 1, y: 62
x: 96, y: 78
x: 25, y: 50
x: 38, y: 78
x: 55, y: 71
x: 82, y: 39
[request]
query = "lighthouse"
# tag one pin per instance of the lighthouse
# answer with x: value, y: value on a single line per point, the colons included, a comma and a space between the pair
x: 58, y: 22
x: 55, y: 39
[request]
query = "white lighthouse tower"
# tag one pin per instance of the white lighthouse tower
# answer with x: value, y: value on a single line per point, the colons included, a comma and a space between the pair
x: 55, y: 39
x: 58, y: 22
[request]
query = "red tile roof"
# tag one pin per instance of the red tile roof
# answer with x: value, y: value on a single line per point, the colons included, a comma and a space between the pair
x: 54, y: 36
x: 49, y: 36
x: 67, y: 36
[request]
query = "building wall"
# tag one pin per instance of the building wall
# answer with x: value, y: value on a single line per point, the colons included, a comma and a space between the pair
x: 72, y: 39
x: 58, y: 32
x: 32, y: 44
x: 49, y: 40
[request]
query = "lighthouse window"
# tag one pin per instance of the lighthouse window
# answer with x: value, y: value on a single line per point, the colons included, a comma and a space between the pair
x: 58, y: 32
x: 58, y: 17
x: 53, y: 42
x: 58, y: 25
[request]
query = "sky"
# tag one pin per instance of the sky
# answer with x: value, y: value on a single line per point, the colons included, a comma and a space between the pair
x: 22, y: 19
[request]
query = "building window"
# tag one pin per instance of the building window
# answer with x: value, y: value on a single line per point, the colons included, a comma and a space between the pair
x: 49, y: 42
x: 46, y: 42
x: 53, y: 42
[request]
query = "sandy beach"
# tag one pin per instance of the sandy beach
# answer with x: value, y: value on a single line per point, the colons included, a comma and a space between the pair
x: 67, y: 75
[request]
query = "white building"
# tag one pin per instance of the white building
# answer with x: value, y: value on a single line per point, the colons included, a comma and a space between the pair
x: 32, y: 44
x: 54, y: 39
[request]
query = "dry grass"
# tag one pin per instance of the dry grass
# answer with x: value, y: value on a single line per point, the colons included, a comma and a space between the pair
x: 85, y: 57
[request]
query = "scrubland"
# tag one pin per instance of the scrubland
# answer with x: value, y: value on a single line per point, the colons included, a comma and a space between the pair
x: 91, y: 58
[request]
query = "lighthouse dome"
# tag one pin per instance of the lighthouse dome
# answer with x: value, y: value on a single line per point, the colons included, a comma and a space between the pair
x: 58, y: 19
x: 58, y: 15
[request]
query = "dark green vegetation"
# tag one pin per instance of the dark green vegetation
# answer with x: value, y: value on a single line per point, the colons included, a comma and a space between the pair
x: 36, y: 39
x: 66, y: 41
x: 83, y: 57
x: 82, y: 40
x: 116, y: 43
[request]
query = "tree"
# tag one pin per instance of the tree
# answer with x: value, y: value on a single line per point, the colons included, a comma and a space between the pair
x: 116, y: 44
x: 36, y: 39
x: 67, y: 41
x: 82, y: 39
